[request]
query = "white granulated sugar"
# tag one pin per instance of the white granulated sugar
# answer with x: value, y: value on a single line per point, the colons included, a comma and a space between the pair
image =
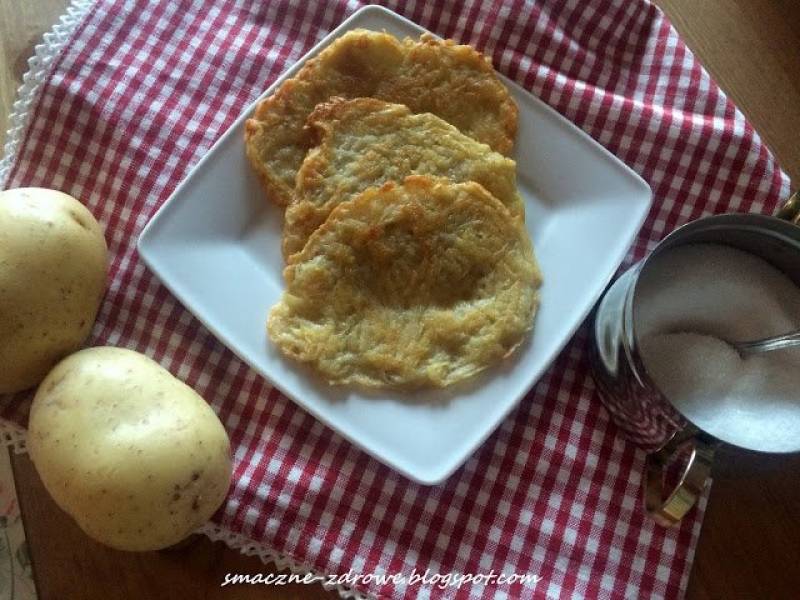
x: 688, y: 302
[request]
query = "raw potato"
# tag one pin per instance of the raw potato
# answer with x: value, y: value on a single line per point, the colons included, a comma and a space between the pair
x: 134, y: 455
x: 53, y: 262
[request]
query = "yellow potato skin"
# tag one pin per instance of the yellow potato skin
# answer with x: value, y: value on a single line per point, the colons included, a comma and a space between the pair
x: 53, y: 265
x: 134, y: 455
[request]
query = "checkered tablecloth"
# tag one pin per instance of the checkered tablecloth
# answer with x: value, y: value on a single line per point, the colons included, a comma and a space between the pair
x: 125, y: 97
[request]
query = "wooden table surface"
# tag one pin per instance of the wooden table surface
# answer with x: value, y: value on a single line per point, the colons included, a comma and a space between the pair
x: 750, y: 544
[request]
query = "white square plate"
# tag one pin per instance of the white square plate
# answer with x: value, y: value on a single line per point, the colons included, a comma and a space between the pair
x: 216, y: 245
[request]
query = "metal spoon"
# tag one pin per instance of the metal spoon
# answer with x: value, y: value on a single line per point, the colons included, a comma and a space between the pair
x: 787, y: 340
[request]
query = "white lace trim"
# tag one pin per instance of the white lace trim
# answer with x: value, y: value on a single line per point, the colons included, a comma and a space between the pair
x: 267, y: 555
x: 38, y: 68
x: 14, y: 436
x: 11, y: 434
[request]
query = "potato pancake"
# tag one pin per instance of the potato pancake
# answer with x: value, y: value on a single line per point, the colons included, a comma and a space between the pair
x: 365, y: 143
x: 424, y: 283
x: 452, y: 81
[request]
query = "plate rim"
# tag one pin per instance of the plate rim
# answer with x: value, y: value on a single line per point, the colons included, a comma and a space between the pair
x: 450, y: 462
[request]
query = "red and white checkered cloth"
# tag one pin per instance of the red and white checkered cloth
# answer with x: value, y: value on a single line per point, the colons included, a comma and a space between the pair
x: 137, y: 94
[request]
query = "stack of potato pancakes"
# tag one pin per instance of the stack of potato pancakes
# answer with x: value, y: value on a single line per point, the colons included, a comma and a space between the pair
x: 408, y: 261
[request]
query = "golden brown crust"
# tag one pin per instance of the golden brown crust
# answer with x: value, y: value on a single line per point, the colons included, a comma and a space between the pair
x: 454, y: 82
x: 365, y: 142
x: 424, y: 283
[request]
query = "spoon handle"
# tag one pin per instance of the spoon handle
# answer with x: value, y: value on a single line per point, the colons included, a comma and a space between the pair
x: 789, y: 340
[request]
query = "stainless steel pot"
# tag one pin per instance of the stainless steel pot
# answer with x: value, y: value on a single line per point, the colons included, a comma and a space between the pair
x: 635, y: 403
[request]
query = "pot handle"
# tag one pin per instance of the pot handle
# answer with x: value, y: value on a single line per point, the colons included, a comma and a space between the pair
x: 790, y: 211
x: 669, y: 511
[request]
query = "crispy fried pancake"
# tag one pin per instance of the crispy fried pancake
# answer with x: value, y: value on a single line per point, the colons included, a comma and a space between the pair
x: 424, y: 283
x: 452, y: 81
x: 366, y: 142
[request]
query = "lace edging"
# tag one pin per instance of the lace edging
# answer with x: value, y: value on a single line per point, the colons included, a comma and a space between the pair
x: 268, y: 555
x: 12, y: 435
x: 38, y: 67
